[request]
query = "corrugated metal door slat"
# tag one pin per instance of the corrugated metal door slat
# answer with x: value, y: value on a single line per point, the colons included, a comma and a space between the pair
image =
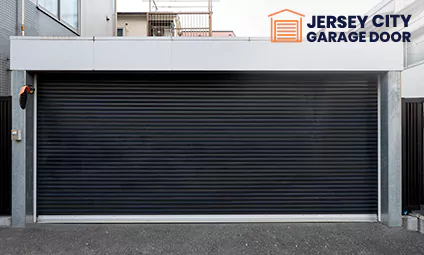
x: 412, y: 154
x: 206, y: 143
x: 5, y: 155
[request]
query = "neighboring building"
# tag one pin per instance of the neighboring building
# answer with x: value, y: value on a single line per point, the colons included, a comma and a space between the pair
x: 132, y: 24
x: 167, y: 24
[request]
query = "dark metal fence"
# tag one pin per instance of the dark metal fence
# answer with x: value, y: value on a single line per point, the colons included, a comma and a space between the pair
x: 5, y: 155
x: 412, y: 154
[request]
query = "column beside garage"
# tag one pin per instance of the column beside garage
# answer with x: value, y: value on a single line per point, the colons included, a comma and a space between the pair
x: 347, y: 71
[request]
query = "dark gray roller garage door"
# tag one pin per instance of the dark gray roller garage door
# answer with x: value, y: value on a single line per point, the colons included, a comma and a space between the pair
x: 206, y: 143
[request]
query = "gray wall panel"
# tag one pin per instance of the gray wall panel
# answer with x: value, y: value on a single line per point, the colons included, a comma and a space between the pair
x: 93, y: 18
x: 48, y: 26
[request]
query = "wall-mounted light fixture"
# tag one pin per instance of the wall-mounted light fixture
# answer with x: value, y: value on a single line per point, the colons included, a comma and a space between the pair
x: 23, y: 95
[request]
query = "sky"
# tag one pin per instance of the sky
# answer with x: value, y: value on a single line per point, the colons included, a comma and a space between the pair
x: 249, y: 18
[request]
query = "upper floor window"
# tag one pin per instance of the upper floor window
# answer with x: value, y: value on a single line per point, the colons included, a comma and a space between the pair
x: 66, y: 11
x: 50, y: 5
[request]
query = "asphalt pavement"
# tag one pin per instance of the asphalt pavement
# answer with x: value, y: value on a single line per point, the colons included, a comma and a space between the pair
x: 231, y: 239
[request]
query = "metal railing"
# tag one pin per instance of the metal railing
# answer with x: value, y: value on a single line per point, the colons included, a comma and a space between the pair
x: 179, y: 24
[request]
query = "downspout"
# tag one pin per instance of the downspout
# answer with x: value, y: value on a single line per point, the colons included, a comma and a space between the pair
x: 115, y: 22
x: 23, y: 19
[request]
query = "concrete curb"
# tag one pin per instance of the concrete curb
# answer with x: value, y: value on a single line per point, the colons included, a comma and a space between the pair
x: 5, y: 221
x: 414, y: 222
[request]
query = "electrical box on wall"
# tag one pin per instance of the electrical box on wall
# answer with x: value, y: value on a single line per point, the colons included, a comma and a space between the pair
x: 16, y: 135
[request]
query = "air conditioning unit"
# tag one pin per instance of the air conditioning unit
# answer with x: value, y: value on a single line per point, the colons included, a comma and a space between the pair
x: 157, y: 31
x: 162, y: 31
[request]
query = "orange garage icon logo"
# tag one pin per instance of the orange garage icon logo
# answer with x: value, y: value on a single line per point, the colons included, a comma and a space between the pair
x: 287, y: 29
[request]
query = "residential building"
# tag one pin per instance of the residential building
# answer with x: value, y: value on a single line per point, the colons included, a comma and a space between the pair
x: 132, y: 24
x: 147, y: 129
x: 51, y: 18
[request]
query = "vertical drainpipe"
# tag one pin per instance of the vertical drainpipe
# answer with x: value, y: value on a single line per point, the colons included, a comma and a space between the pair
x: 115, y: 22
x: 23, y: 19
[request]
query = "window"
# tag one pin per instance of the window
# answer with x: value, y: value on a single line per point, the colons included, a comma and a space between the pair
x: 50, y: 5
x: 66, y: 11
x: 120, y: 32
x: 69, y: 12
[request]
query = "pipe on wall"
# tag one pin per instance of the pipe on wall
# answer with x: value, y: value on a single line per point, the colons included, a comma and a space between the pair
x: 23, y: 19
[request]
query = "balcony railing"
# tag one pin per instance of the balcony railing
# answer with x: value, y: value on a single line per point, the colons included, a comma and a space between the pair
x: 179, y: 24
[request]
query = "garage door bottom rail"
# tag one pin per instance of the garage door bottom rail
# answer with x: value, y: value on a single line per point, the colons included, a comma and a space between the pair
x: 206, y: 218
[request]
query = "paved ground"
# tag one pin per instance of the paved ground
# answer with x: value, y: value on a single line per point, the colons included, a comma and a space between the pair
x: 211, y: 239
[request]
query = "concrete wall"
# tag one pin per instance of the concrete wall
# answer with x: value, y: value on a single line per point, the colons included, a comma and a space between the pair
x: 133, y: 25
x: 232, y: 54
x: 391, y: 149
x: 48, y: 26
x: 37, y: 23
x: 94, y: 14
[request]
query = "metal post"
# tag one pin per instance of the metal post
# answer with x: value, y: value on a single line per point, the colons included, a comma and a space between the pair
x: 23, y: 19
x: 34, y: 176
x: 148, y: 25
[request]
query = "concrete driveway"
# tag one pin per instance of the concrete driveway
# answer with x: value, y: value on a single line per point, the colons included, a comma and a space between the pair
x: 232, y: 239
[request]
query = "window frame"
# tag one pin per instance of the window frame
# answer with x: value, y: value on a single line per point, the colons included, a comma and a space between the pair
x: 58, y: 18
